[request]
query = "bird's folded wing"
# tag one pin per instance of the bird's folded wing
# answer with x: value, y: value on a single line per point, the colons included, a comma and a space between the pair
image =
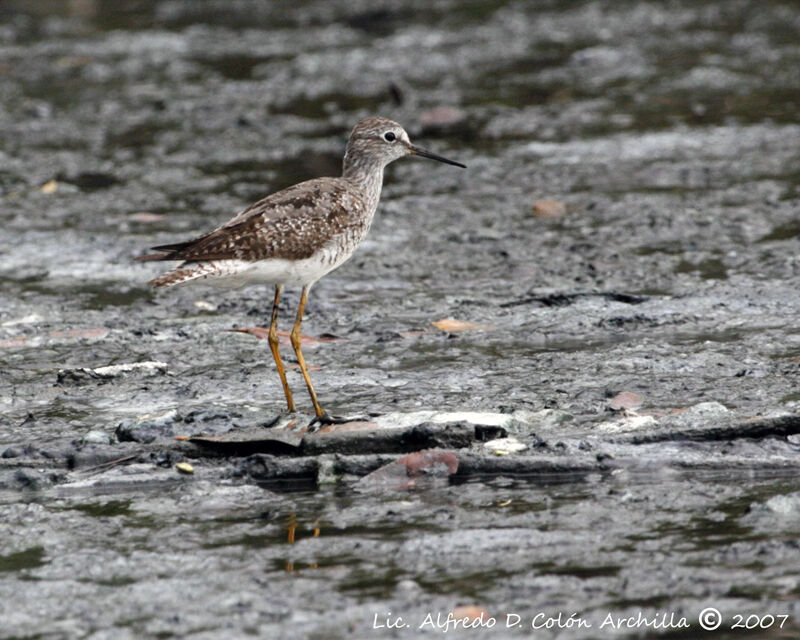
x: 291, y: 224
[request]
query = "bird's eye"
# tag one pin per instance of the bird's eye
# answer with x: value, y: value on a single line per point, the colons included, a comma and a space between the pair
x: 389, y: 136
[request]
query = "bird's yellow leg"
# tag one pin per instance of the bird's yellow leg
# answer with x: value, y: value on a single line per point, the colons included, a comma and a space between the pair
x: 295, y: 337
x: 273, y: 346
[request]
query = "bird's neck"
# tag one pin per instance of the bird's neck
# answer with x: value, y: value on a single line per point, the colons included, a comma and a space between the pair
x: 367, y: 177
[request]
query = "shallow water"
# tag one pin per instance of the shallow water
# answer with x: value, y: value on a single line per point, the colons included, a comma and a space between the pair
x: 668, y: 131
x: 184, y: 555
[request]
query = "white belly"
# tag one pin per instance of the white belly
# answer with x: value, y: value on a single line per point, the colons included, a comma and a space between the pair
x: 275, y: 270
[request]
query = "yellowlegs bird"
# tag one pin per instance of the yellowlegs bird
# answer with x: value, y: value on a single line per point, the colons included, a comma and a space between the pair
x: 296, y: 236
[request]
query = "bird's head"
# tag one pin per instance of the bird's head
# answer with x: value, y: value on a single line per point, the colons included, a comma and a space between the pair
x: 381, y: 141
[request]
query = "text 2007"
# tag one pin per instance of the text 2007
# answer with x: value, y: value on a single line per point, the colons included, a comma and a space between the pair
x: 758, y: 622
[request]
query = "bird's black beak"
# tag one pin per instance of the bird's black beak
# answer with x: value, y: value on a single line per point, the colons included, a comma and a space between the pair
x: 417, y: 151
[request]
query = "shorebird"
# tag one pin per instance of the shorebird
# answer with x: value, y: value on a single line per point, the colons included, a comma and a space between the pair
x: 296, y: 236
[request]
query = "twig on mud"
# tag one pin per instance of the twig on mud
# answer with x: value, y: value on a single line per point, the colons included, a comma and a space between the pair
x: 110, y: 463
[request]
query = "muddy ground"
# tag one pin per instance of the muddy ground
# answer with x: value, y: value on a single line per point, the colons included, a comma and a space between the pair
x: 666, y: 133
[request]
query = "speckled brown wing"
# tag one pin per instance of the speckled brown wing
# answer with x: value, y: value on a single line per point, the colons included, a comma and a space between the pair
x: 291, y: 224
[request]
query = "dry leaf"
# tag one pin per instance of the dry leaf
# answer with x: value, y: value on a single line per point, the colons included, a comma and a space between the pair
x: 145, y: 216
x: 409, y: 471
x: 625, y: 400
x: 98, y: 332
x: 470, y: 612
x: 66, y: 334
x: 19, y: 341
x: 452, y: 325
x: 549, y: 209
x: 442, y: 119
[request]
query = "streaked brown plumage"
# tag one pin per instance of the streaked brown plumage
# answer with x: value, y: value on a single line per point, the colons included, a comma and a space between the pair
x: 292, y: 224
x: 295, y: 236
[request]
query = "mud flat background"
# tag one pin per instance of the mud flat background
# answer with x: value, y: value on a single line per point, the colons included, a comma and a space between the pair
x: 666, y: 133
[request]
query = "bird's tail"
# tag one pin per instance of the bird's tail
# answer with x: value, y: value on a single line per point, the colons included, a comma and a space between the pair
x: 183, y: 273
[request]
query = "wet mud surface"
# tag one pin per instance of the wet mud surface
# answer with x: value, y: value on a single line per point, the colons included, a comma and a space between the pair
x: 628, y: 224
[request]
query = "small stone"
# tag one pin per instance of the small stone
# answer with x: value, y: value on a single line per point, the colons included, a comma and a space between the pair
x: 146, y: 368
x: 51, y: 186
x: 97, y: 437
x: 549, y: 209
x: 184, y: 467
x: 408, y: 586
x: 504, y: 446
x: 205, y: 305
x: 17, y: 451
x: 148, y: 428
x: 30, y: 479
x: 81, y: 374
x: 787, y: 506
x: 627, y: 424
x: 625, y: 400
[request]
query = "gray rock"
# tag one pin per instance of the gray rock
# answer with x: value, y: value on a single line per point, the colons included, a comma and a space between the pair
x: 148, y: 428
x: 627, y: 423
x: 427, y: 435
x: 786, y: 506
x: 81, y: 374
x: 19, y: 451
x: 32, y: 479
x: 698, y: 416
x: 97, y: 437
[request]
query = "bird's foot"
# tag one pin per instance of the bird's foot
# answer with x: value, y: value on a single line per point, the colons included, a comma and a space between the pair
x: 325, y: 419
